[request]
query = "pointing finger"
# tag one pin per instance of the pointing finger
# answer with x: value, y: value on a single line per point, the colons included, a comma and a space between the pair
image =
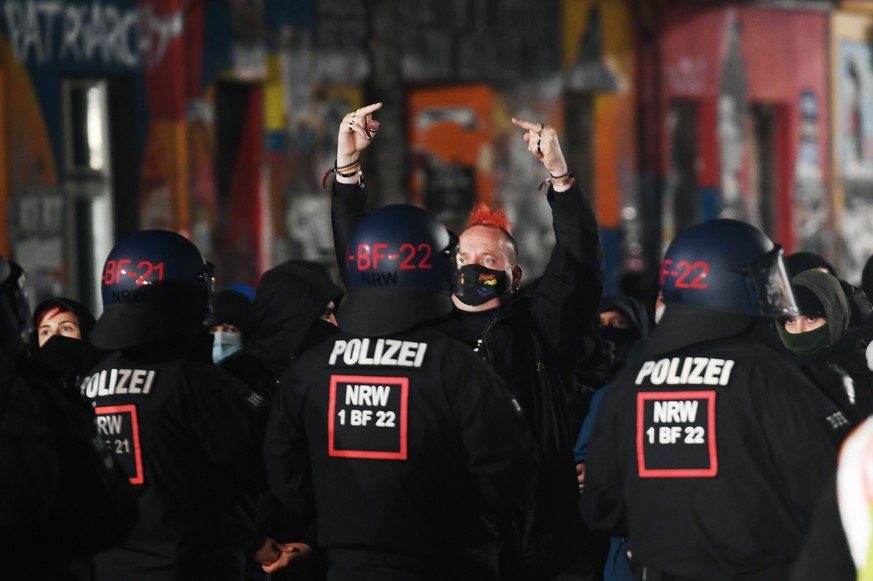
x: 366, y: 110
x: 529, y: 125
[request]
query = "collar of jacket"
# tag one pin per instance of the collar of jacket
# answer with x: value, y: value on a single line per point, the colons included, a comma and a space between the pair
x: 684, y: 325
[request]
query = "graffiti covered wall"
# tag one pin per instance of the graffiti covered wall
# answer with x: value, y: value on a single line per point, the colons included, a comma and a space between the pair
x: 852, y: 78
x: 745, y: 128
x: 45, y: 47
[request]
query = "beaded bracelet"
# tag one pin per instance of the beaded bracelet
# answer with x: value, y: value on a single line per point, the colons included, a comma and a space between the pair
x: 347, y: 171
x: 566, y: 179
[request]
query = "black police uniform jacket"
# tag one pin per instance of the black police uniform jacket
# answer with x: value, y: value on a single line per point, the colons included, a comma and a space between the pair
x: 711, y: 451
x: 410, y: 442
x: 187, y: 434
x: 527, y: 342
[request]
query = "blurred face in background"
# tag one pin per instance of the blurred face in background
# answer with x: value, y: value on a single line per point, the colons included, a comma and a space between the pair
x: 56, y: 321
x: 226, y: 340
x: 614, y: 319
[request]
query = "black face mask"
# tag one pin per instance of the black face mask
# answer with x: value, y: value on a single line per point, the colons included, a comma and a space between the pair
x: 618, y: 335
x: 475, y: 284
x: 65, y: 356
x: 318, y: 332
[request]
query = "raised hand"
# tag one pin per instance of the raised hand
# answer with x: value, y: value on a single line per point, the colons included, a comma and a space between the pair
x: 356, y: 132
x: 542, y: 142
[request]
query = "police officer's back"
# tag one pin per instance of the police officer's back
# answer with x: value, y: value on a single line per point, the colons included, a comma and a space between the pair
x: 411, y: 442
x: 711, y: 449
x: 184, y: 430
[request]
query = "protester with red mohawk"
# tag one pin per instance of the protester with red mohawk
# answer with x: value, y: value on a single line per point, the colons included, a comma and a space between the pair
x: 526, y: 335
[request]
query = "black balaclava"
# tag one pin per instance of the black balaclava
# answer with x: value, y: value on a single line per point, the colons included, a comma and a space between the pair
x: 818, y: 294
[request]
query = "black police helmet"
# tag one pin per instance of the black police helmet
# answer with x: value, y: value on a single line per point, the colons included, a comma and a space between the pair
x: 156, y: 286
x: 16, y: 325
x: 398, y: 272
x: 729, y: 266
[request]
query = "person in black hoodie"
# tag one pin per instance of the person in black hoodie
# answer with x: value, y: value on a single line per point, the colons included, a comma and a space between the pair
x: 60, y: 340
x: 234, y: 316
x: 830, y: 354
x: 623, y: 322
x: 293, y: 311
x: 861, y: 310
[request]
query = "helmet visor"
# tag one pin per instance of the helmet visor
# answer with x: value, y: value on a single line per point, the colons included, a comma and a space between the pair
x: 207, y: 277
x: 770, y: 286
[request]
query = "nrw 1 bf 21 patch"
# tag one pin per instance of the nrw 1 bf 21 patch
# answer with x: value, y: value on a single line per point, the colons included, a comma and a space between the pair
x: 368, y: 417
x: 676, y: 434
x: 118, y: 427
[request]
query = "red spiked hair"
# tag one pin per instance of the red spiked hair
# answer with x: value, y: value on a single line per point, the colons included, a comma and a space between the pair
x: 482, y: 215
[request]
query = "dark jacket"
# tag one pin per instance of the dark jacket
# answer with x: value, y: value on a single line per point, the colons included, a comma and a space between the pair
x: 288, y: 306
x: 409, y: 456
x: 711, y: 450
x: 188, y: 436
x: 527, y: 342
x: 57, y: 480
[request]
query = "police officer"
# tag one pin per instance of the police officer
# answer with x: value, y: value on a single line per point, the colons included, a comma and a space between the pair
x: 411, y: 442
x: 183, y: 429
x: 62, y: 498
x: 712, y: 449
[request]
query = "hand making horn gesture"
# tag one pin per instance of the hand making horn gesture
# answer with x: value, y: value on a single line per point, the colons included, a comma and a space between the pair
x: 542, y: 142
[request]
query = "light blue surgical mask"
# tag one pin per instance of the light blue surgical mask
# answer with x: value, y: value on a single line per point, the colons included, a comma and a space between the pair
x: 225, y: 343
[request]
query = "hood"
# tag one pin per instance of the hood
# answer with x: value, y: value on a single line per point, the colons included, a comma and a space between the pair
x: 828, y: 291
x: 632, y: 309
x: 86, y: 319
x: 234, y: 308
x: 800, y: 261
x: 289, y: 299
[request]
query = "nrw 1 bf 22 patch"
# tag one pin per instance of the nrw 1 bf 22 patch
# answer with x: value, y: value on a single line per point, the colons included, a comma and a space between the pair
x: 676, y: 434
x: 368, y: 417
x: 119, y: 428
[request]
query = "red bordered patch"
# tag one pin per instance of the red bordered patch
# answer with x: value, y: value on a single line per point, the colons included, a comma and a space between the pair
x: 676, y: 434
x: 119, y: 428
x: 368, y: 417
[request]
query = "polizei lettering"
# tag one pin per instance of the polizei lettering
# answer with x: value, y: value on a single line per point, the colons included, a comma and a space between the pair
x: 382, y: 352
x: 686, y: 371
x: 118, y: 382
